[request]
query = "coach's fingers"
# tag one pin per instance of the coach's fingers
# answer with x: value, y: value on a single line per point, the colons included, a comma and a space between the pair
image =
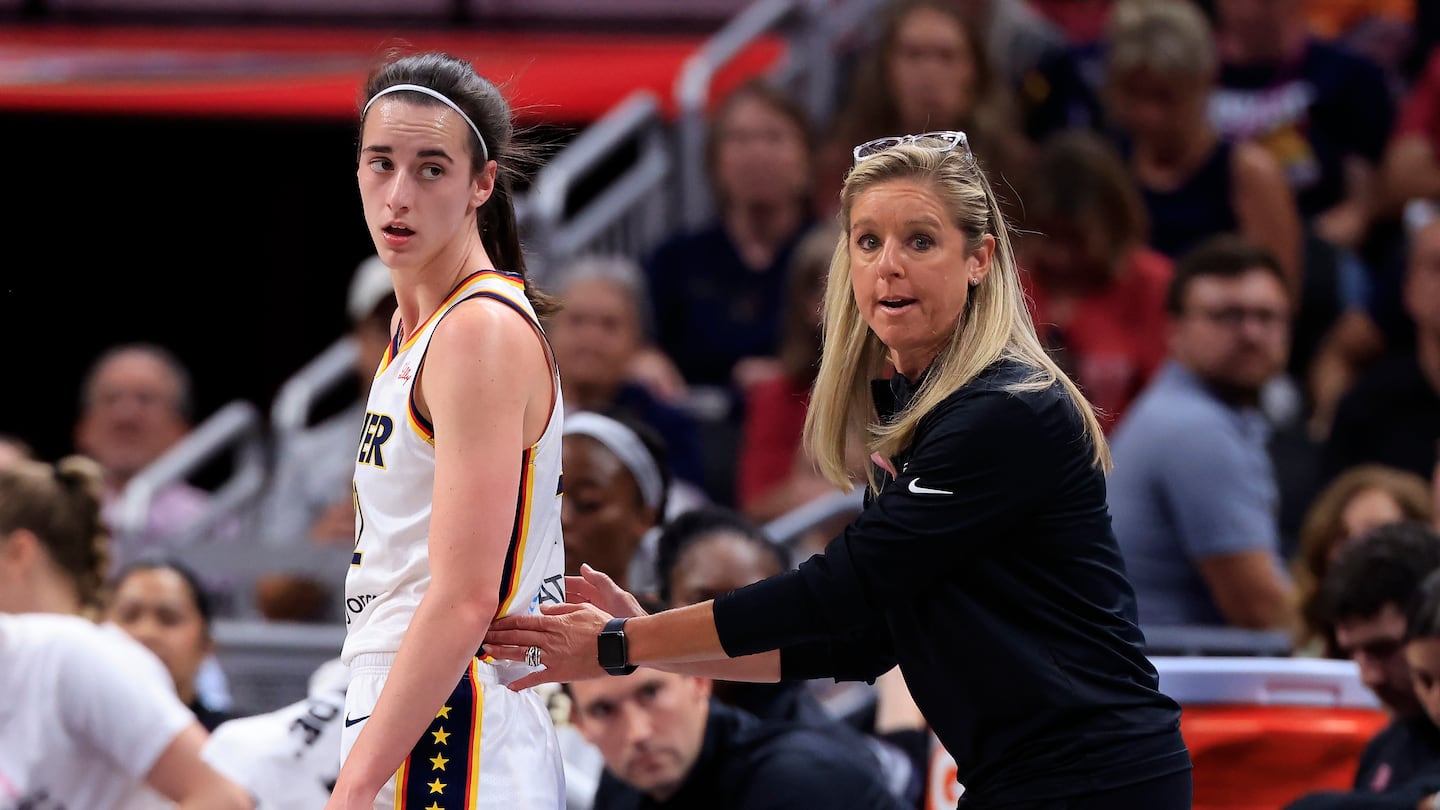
x: 514, y: 638
x: 504, y: 652
x: 519, y: 622
x: 597, y: 577
x: 560, y: 608
x: 577, y: 590
x: 533, y: 679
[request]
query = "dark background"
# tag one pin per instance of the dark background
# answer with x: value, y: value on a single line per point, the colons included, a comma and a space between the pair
x: 230, y: 242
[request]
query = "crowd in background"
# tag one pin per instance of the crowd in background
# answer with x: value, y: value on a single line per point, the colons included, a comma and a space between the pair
x: 1228, y: 218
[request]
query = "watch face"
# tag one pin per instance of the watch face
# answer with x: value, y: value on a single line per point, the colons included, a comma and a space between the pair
x: 612, y: 650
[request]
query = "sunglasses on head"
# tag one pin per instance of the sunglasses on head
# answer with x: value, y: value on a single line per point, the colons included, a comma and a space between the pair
x: 941, y: 141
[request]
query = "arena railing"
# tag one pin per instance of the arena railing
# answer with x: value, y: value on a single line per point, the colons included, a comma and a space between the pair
x: 815, y: 31
x: 628, y: 216
x: 293, y: 408
x: 238, y: 428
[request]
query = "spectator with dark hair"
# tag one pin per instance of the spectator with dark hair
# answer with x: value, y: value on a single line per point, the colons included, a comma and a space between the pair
x: 1359, y: 500
x: 617, y: 488
x: 1365, y: 596
x: 717, y: 292
x: 163, y: 605
x: 1391, y: 415
x: 1324, y: 112
x: 928, y: 70
x: 1096, y: 290
x: 707, y: 552
x: 668, y: 744
x: 1193, y: 494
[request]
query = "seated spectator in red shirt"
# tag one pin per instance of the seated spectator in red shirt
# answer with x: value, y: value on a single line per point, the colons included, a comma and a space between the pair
x: 1097, y: 291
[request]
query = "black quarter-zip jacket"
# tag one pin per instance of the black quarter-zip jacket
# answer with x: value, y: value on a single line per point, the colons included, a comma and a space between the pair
x: 988, y: 570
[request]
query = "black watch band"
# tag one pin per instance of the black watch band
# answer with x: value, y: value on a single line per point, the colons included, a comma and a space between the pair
x: 613, y: 651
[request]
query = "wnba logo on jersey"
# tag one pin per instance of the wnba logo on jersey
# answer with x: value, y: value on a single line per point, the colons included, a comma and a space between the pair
x: 378, y: 430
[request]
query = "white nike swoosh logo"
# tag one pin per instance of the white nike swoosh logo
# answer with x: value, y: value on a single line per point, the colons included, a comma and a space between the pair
x: 919, y: 490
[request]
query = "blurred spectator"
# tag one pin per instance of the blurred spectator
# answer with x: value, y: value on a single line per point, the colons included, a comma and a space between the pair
x: 1081, y: 20
x: 162, y: 604
x: 1360, y: 499
x: 309, y: 495
x: 600, y: 337
x: 710, y: 551
x: 1064, y: 91
x: 1392, y: 414
x: 92, y: 718
x: 616, y: 489
x: 1160, y: 73
x: 929, y: 70
x: 13, y: 449
x: 1411, y: 166
x: 667, y: 743
x: 1365, y: 595
x: 1323, y: 111
x: 1019, y: 39
x: 1097, y: 292
x: 1193, y: 493
x: 775, y: 474
x: 717, y: 292
x: 1382, y: 30
x: 135, y: 405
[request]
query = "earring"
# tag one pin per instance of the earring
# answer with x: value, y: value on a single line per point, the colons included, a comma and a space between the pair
x: 974, y: 281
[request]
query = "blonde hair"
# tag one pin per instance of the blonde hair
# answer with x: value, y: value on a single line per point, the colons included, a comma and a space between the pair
x: 996, y: 323
x: 60, y: 504
x: 1167, y: 37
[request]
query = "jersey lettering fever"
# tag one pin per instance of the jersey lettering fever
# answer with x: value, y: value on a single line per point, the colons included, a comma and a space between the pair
x: 394, y: 479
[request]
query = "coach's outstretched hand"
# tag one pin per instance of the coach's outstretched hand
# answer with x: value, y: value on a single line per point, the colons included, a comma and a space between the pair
x: 597, y: 588
x: 566, y: 635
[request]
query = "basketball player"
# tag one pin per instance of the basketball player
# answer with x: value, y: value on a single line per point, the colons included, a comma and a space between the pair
x: 89, y: 717
x: 457, y: 477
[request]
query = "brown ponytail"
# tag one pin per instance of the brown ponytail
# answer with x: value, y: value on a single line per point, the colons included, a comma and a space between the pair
x: 60, y: 504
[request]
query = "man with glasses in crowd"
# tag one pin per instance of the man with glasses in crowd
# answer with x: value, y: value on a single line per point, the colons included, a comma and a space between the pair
x: 1194, y: 494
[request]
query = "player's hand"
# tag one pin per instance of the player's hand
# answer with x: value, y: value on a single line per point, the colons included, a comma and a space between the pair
x: 597, y: 588
x: 568, y: 638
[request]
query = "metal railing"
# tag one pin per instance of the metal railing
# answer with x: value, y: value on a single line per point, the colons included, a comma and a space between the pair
x: 814, y: 31
x: 295, y: 402
x: 236, y: 427
x: 629, y: 216
x: 790, y: 527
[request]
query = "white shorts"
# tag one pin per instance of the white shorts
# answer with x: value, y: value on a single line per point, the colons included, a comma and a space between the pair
x: 488, y: 747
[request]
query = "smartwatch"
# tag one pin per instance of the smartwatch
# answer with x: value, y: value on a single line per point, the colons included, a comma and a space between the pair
x: 614, y: 653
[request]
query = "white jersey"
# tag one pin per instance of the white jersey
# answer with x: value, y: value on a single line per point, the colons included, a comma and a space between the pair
x: 86, y: 713
x: 394, y: 483
x: 289, y: 758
